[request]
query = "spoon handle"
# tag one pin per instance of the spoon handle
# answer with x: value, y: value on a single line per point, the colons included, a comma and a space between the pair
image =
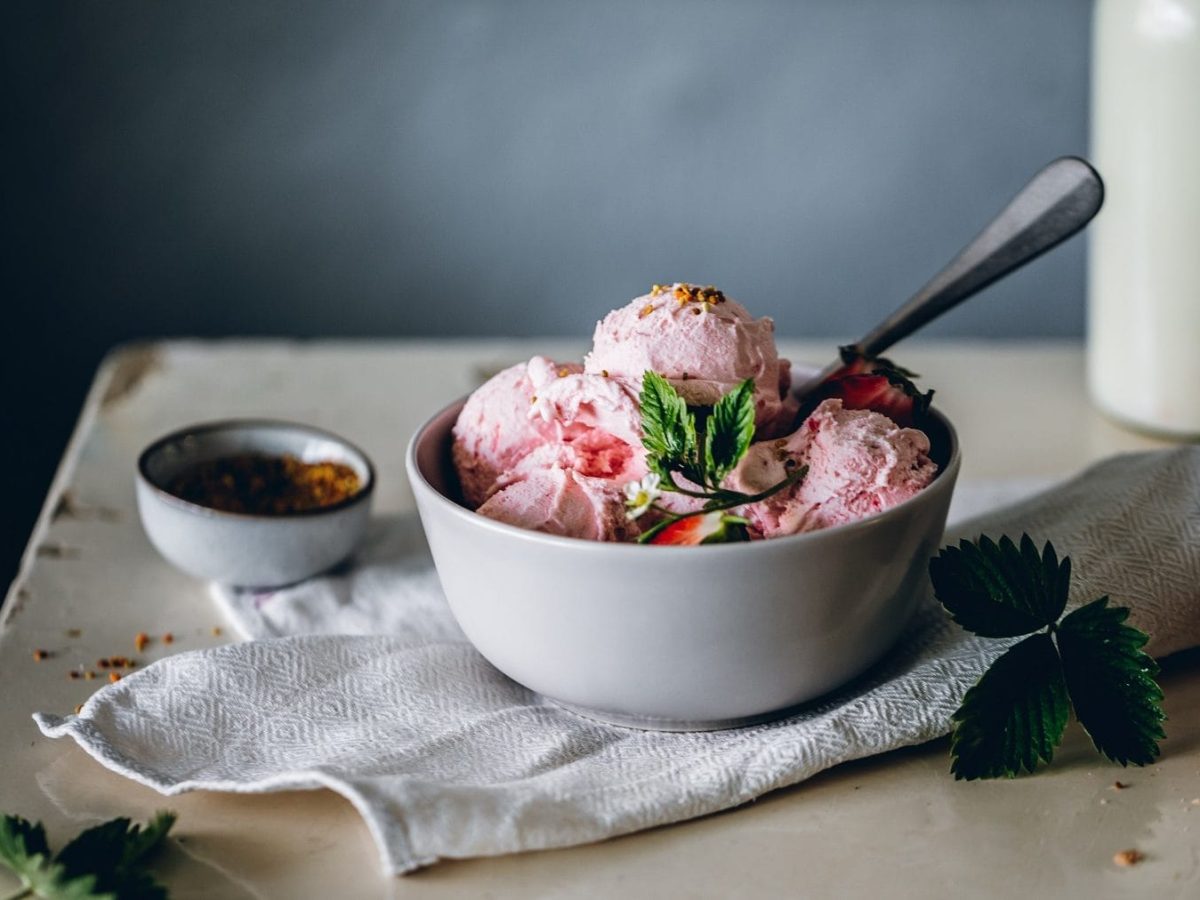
x: 1057, y: 202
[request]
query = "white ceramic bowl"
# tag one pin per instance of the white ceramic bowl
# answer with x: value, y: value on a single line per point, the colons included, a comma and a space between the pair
x: 679, y: 638
x: 242, y: 549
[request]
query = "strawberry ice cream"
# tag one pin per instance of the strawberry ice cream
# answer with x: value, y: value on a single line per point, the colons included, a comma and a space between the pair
x: 555, y: 447
x: 597, y: 417
x: 559, y: 500
x: 859, y: 463
x: 494, y: 431
x: 539, y: 415
x: 703, y: 343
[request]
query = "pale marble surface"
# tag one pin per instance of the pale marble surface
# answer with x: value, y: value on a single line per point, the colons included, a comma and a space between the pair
x: 894, y: 826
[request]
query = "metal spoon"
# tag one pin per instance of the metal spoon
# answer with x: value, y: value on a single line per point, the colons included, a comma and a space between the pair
x: 1057, y: 202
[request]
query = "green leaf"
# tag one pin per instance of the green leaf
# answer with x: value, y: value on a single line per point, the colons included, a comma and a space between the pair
x: 1111, y: 682
x: 668, y: 429
x: 21, y: 841
x: 1014, y: 715
x: 24, y: 850
x: 729, y: 432
x: 142, y: 843
x: 1000, y: 590
x: 102, y: 863
x: 114, y: 852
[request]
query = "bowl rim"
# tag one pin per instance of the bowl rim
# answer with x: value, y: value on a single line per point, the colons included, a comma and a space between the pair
x: 235, y: 424
x: 948, y: 475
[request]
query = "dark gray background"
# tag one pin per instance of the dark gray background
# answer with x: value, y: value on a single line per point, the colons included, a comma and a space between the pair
x: 498, y: 167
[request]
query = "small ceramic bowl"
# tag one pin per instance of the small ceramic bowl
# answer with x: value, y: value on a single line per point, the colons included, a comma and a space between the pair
x: 238, y: 548
x: 679, y: 638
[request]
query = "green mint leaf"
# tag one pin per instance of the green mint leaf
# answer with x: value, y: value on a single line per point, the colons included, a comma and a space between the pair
x: 1014, y: 715
x: 729, y: 432
x: 668, y: 429
x: 1000, y: 590
x: 1111, y: 682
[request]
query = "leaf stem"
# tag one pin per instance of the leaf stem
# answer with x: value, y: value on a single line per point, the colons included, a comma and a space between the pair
x: 675, y: 488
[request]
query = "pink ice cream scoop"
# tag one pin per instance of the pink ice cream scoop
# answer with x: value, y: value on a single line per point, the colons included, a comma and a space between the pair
x: 562, y: 501
x: 859, y: 463
x: 551, y: 446
x: 597, y: 418
x: 704, y: 343
x: 495, y: 430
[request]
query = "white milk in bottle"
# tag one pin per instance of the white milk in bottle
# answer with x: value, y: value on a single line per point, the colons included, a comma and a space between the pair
x: 1144, y: 255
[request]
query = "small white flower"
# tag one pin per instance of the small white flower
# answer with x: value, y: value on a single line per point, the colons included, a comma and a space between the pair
x: 640, y: 494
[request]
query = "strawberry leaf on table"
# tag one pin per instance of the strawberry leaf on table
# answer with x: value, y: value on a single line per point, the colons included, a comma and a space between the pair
x: 1089, y: 660
x: 106, y: 862
x: 729, y: 432
x: 1111, y: 681
x: 113, y: 852
x: 998, y: 590
x: 23, y: 849
x: 1014, y: 716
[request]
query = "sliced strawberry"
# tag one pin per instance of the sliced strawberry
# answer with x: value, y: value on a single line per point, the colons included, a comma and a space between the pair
x: 708, y: 528
x: 899, y: 400
x: 875, y: 384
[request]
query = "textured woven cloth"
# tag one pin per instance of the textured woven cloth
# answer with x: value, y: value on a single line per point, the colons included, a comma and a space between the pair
x: 361, y: 681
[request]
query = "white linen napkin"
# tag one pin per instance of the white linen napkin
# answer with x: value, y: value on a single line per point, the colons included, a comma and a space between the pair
x: 361, y: 681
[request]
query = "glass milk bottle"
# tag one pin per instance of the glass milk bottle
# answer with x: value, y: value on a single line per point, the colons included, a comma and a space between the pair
x: 1144, y: 256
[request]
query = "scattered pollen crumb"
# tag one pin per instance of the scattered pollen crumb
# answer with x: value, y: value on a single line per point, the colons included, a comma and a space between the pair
x: 1128, y: 858
x: 74, y: 674
x: 89, y: 675
x: 216, y: 631
x: 168, y: 638
x: 103, y: 663
x: 74, y: 632
x: 114, y: 677
x: 78, y: 708
x: 1104, y: 801
x: 1119, y: 785
x: 39, y: 655
x: 140, y: 640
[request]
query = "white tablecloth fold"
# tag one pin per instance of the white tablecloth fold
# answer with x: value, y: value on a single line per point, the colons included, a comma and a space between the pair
x: 361, y: 681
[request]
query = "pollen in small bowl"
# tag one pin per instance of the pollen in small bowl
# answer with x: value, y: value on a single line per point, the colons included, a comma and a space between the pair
x: 254, y: 503
x: 680, y: 638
